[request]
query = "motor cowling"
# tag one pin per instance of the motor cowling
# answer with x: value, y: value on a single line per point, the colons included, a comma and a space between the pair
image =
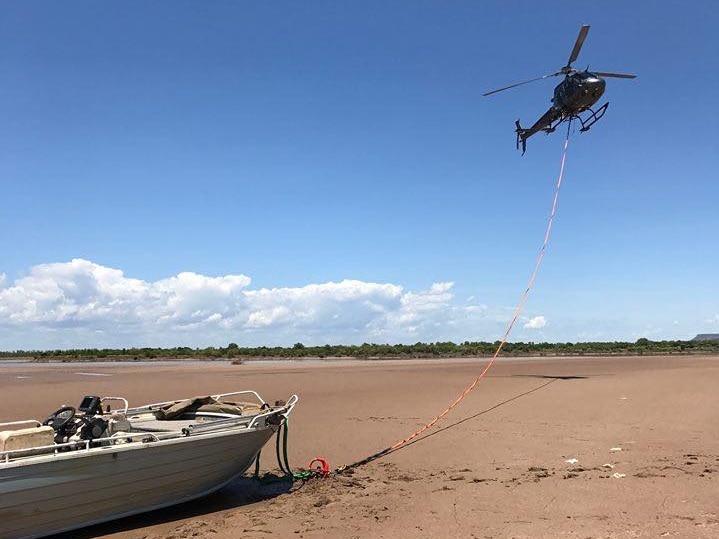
x: 92, y: 428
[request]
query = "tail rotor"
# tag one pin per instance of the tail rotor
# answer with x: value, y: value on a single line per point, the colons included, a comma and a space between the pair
x: 521, y: 136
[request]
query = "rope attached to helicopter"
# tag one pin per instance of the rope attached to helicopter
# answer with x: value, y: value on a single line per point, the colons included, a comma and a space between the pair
x: 517, y: 313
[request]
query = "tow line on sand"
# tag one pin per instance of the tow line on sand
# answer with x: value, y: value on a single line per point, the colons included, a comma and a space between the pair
x: 319, y: 467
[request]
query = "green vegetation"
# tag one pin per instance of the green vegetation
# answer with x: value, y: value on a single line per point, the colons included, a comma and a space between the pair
x: 376, y: 351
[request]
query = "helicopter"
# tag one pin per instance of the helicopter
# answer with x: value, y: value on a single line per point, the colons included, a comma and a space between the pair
x: 574, y: 95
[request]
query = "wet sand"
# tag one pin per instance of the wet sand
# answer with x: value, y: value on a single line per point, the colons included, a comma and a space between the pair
x: 496, y: 467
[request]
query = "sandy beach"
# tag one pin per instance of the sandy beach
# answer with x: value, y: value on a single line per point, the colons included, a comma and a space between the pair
x: 563, y: 447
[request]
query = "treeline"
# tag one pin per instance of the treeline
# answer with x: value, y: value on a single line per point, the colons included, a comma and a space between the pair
x: 417, y: 350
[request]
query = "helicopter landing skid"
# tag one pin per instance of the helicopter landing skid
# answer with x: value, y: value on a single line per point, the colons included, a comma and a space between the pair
x: 592, y: 118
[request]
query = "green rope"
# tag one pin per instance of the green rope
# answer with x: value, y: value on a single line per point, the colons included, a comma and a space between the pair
x: 303, y: 475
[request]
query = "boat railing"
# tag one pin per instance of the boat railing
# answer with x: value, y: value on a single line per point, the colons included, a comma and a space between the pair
x: 284, y: 411
x: 113, y: 399
x: 246, y: 421
x: 16, y: 424
x: 246, y: 392
x: 77, y: 445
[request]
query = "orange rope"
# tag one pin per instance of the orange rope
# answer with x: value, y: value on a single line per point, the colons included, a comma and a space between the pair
x: 517, y: 312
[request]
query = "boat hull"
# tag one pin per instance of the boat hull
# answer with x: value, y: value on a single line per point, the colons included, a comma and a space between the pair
x: 79, y: 488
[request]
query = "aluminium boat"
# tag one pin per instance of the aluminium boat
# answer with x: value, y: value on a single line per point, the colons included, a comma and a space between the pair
x: 105, y: 460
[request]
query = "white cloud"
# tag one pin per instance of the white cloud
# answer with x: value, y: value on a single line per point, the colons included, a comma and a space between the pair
x: 713, y: 320
x: 81, y: 303
x: 81, y: 292
x: 538, y: 322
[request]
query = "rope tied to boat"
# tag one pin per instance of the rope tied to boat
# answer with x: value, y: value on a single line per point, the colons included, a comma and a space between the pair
x: 323, y: 470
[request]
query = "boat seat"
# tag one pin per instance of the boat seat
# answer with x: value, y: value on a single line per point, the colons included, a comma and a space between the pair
x: 22, y: 439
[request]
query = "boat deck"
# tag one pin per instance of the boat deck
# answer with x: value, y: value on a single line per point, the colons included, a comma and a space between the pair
x: 152, y: 424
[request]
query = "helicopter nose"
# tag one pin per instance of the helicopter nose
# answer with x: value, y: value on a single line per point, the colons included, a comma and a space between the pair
x: 595, y: 83
x: 596, y: 87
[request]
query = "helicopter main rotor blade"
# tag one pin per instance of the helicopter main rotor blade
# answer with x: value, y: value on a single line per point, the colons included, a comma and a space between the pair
x: 520, y: 84
x: 615, y: 75
x: 583, y: 31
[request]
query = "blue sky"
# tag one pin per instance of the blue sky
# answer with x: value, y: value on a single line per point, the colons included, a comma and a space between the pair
x: 273, y: 150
